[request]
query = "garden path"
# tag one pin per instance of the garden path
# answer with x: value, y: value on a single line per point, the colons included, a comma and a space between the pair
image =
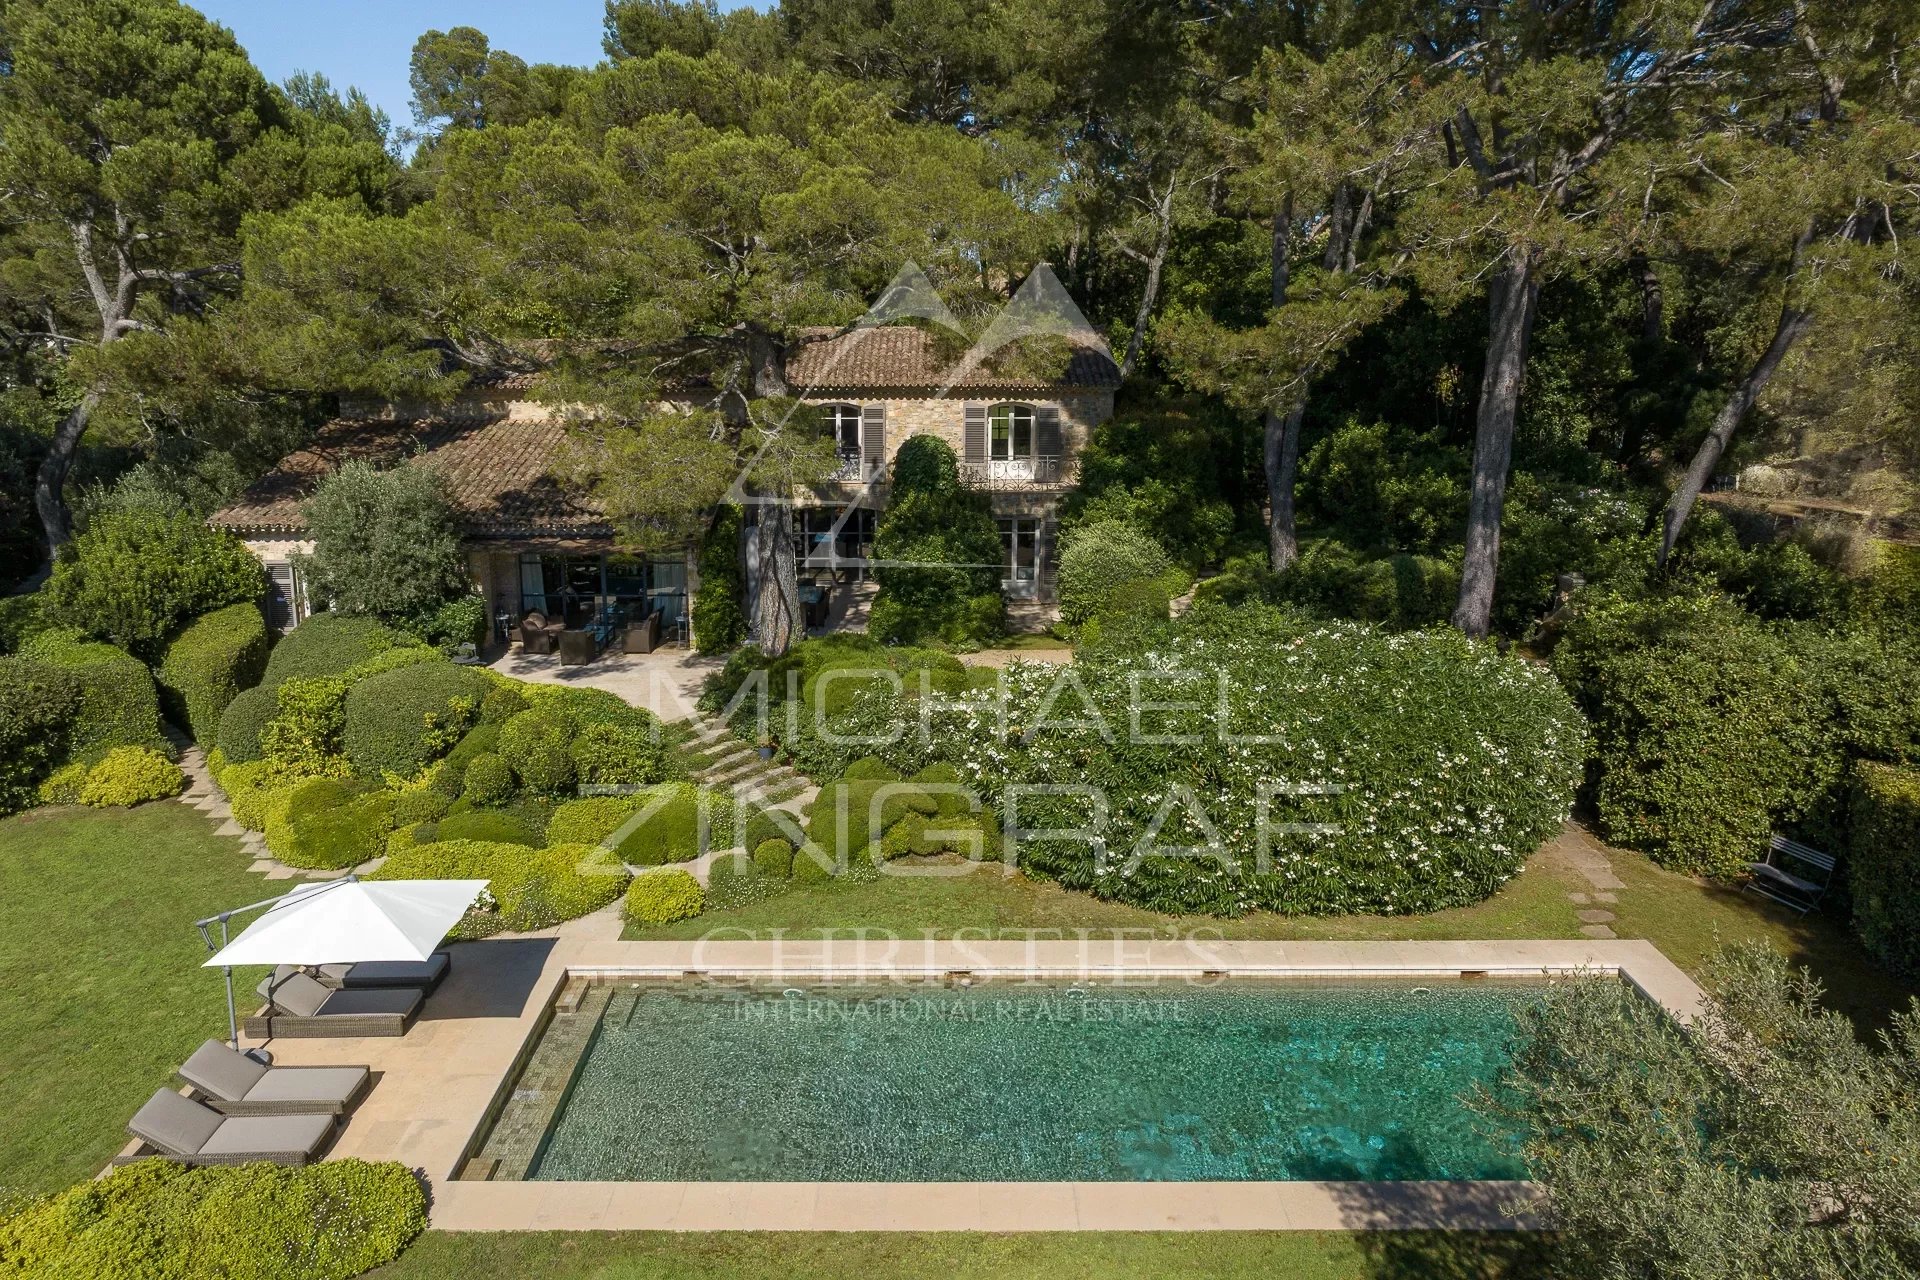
x: 1579, y: 850
x: 204, y: 794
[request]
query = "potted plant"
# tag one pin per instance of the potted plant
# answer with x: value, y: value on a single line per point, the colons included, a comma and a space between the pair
x: 767, y: 746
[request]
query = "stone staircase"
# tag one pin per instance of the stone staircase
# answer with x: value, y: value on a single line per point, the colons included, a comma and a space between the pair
x: 204, y: 794
x: 725, y: 763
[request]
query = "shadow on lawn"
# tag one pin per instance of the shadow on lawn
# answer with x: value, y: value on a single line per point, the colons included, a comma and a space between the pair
x: 1457, y: 1255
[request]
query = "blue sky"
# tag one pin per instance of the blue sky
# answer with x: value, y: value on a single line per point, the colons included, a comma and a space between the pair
x: 366, y: 42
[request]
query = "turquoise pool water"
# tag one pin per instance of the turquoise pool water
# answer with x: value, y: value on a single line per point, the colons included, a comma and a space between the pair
x: 1005, y: 1082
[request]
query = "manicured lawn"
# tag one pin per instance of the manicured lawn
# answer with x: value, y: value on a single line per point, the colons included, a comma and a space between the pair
x: 987, y: 902
x: 1056, y: 1256
x: 102, y: 995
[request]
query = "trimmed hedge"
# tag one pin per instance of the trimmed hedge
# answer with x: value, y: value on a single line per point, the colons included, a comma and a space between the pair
x: 661, y: 897
x: 326, y: 824
x: 156, y: 1220
x: 1883, y: 864
x: 38, y: 702
x: 488, y: 780
x: 843, y: 820
x: 531, y: 888
x: 494, y: 827
x: 128, y: 776
x: 64, y: 784
x: 590, y: 819
x: 400, y: 721
x: 449, y: 777
x: 210, y: 662
x: 119, y: 704
x: 535, y: 743
x: 1098, y: 559
x: 248, y: 785
x: 244, y: 721
x: 328, y: 644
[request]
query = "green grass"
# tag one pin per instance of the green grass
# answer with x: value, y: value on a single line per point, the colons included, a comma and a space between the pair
x: 1282, y: 1255
x: 103, y: 994
x: 986, y: 902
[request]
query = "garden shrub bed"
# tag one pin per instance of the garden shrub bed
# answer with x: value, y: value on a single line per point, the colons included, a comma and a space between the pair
x: 328, y: 824
x: 38, y: 702
x: 399, y: 721
x: 532, y: 888
x: 158, y: 1220
x: 1425, y: 769
x: 328, y: 644
x: 662, y: 897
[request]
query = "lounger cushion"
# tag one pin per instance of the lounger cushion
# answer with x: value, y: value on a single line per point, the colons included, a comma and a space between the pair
x: 395, y: 1000
x: 308, y: 1084
x: 221, y: 1072
x: 175, y: 1124
x: 297, y: 994
x: 386, y: 973
x: 243, y: 1135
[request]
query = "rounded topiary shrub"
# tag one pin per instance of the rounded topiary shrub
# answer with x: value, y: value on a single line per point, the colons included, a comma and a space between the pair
x: 244, y: 721
x: 536, y: 744
x: 1354, y: 771
x: 129, y: 776
x: 119, y: 704
x: 590, y: 819
x: 1100, y: 558
x: 418, y: 804
x: 400, y: 721
x: 661, y: 897
x: 488, y: 780
x: 773, y: 857
x: 210, y: 661
x: 327, y: 644
x: 502, y: 702
x: 530, y: 889
x: 499, y: 828
x: 813, y: 865
x: 326, y: 824
x: 63, y: 785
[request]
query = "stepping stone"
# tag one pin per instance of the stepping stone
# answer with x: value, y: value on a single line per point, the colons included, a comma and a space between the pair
x: 1596, y: 917
x: 261, y: 865
x: 1605, y: 897
x: 279, y: 872
x: 229, y: 828
x: 1578, y: 899
x: 1597, y: 931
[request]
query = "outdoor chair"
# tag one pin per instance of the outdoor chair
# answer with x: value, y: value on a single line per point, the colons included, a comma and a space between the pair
x: 642, y: 636
x: 1792, y: 874
x: 578, y: 648
x: 422, y: 974
x: 301, y: 1007
x: 181, y: 1129
x: 235, y: 1085
x: 537, y: 635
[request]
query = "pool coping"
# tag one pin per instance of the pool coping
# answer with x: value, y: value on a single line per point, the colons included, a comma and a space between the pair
x: 438, y: 1085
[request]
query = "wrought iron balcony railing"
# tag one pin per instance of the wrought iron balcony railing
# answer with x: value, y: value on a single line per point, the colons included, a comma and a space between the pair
x: 1037, y: 472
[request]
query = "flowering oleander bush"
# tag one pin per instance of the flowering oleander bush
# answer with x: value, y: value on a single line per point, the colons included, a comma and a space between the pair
x: 1424, y: 768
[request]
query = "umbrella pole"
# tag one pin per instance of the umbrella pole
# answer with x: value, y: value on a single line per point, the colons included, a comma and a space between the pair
x: 233, y: 1025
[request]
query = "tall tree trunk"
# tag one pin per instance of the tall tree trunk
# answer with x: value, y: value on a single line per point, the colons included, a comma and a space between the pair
x: 1653, y: 333
x: 1281, y: 443
x: 1792, y: 325
x: 49, y: 486
x: 1282, y: 464
x: 777, y: 619
x: 1510, y: 305
x: 1150, y: 294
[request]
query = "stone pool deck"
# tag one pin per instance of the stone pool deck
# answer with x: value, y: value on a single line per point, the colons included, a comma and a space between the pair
x: 436, y: 1087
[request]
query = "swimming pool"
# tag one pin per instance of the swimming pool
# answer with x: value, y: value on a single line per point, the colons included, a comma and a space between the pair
x: 1012, y: 1081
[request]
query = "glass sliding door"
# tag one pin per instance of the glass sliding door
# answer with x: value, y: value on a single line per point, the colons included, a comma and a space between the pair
x: 1020, y: 546
x: 576, y: 589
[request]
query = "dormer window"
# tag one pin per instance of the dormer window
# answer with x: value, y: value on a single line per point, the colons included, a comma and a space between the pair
x: 1009, y: 432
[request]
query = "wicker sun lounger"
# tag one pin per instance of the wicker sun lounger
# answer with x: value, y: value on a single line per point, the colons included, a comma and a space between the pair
x: 423, y: 974
x: 300, y: 1007
x: 235, y: 1085
x: 181, y: 1129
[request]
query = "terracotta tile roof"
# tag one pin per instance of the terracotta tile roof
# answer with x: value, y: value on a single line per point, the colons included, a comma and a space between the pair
x: 903, y: 356
x: 496, y: 472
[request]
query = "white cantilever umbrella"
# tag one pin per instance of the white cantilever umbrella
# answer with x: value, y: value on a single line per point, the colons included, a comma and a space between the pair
x: 342, y: 922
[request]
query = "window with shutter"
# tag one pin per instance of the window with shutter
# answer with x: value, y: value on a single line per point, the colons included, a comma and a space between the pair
x: 873, y: 436
x: 976, y: 433
x: 1046, y: 442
